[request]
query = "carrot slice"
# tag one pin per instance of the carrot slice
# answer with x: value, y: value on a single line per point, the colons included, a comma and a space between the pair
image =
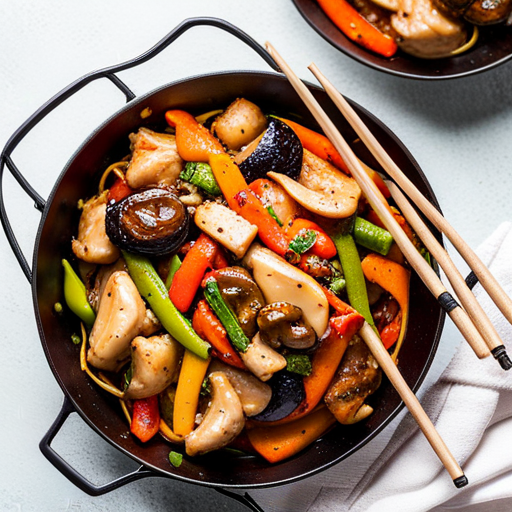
x: 323, y: 247
x: 229, y: 178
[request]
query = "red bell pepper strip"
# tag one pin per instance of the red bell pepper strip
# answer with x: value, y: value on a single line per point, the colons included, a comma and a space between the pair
x: 195, y: 142
x: 357, y: 28
x: 119, y: 190
x: 188, y: 277
x: 269, y: 231
x: 323, y: 247
x: 145, y: 418
x: 209, y: 327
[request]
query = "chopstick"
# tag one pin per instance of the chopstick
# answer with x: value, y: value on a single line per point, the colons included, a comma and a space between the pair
x: 492, y: 287
x: 468, y: 300
x: 413, y: 405
x: 380, y: 354
x: 381, y: 208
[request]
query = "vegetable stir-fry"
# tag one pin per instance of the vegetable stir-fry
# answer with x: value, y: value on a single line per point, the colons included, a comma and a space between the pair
x: 227, y: 265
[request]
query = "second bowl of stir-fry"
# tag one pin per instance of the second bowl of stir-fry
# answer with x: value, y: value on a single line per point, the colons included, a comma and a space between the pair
x: 215, y: 262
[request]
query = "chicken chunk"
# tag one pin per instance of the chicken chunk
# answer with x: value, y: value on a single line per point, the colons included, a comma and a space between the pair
x: 358, y: 376
x: 155, y: 159
x: 93, y: 245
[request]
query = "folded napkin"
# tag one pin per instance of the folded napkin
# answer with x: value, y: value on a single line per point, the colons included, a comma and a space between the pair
x: 471, y: 407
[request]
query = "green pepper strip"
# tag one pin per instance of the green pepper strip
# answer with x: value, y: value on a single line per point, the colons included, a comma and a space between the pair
x: 354, y: 277
x: 152, y: 288
x: 76, y: 296
x: 225, y: 315
x: 173, y: 268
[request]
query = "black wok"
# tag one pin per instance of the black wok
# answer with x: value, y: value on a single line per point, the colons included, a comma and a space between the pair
x: 59, y: 221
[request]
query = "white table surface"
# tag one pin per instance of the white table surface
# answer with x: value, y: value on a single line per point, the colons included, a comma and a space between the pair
x: 459, y: 132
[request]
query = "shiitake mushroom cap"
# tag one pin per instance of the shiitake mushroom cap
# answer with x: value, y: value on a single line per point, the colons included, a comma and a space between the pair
x: 279, y: 150
x: 152, y: 221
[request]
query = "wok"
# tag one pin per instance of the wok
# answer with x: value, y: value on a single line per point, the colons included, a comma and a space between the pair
x: 59, y: 221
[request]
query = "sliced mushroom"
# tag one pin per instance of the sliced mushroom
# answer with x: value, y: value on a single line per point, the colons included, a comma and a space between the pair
x: 254, y: 394
x: 322, y: 188
x: 120, y: 318
x: 243, y: 296
x: 280, y: 281
x: 93, y: 245
x: 282, y: 323
x: 153, y: 221
x: 223, y: 421
x: 155, y: 159
x: 155, y: 362
x: 358, y: 376
x: 262, y: 360
x: 241, y: 122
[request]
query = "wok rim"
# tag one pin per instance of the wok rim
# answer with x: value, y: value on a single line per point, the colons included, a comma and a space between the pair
x: 157, y: 470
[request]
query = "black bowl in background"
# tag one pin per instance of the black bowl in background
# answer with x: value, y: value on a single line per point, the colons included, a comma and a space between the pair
x: 494, y: 47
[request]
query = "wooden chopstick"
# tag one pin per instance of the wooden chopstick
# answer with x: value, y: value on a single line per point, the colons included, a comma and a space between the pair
x: 487, y: 280
x: 468, y: 300
x: 379, y: 204
x: 418, y: 413
x: 382, y: 356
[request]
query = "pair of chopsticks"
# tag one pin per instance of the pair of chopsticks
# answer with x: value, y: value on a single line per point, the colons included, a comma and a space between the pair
x: 471, y: 321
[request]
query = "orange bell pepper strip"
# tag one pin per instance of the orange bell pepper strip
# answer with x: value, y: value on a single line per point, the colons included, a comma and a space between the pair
x: 119, y: 190
x: 276, y: 443
x: 195, y: 142
x: 322, y: 147
x: 394, y: 278
x: 229, y: 178
x: 192, y: 374
x: 323, y: 247
x: 209, y: 327
x: 269, y: 231
x: 357, y: 28
x: 188, y: 277
x: 145, y: 418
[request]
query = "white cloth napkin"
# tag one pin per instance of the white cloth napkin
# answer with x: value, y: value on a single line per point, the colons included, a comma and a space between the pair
x: 471, y: 407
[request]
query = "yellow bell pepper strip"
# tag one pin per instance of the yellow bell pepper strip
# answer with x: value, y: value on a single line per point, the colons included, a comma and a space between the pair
x: 145, y: 418
x: 395, y: 280
x: 353, y: 273
x: 75, y: 295
x: 280, y: 442
x: 357, y: 28
x: 190, y: 380
x: 152, y: 288
x: 195, y: 142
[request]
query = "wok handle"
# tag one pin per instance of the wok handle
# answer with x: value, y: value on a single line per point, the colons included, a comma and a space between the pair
x: 64, y: 94
x: 72, y: 474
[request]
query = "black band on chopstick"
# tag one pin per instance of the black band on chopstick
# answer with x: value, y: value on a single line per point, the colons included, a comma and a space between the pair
x: 447, y: 302
x: 500, y: 354
x: 471, y: 280
x: 462, y: 481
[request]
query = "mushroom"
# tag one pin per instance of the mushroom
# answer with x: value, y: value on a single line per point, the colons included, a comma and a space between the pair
x: 262, y: 360
x: 243, y: 296
x: 321, y: 188
x: 120, y: 318
x: 282, y: 323
x: 93, y: 245
x: 155, y: 159
x: 223, y: 421
x: 155, y: 362
x: 357, y: 377
x: 280, y: 281
x: 241, y: 122
x: 152, y: 222
x: 254, y: 394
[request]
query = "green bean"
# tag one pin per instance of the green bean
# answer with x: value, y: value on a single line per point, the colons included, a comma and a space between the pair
x: 75, y: 295
x: 226, y: 316
x: 372, y: 237
x: 354, y: 277
x: 173, y: 268
x: 152, y: 288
